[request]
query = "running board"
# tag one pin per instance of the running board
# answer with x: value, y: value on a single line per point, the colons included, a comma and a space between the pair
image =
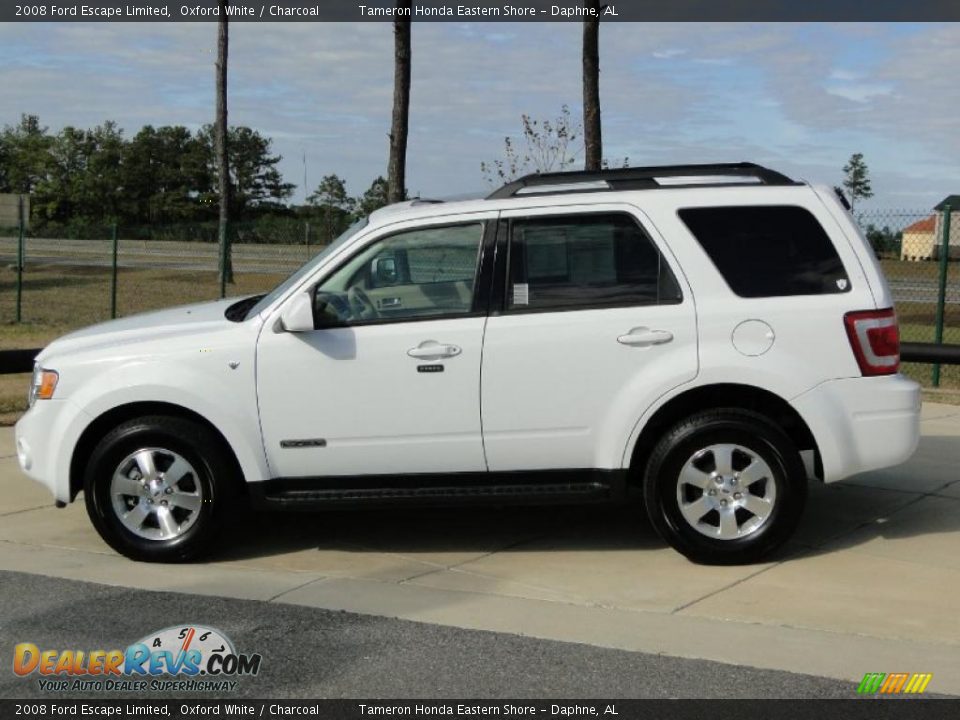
x: 472, y: 488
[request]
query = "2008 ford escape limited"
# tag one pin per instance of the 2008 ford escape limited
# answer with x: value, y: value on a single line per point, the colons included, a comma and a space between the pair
x: 709, y: 337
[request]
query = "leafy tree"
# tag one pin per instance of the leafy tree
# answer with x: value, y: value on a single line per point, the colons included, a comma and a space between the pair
x: 857, y: 180
x: 374, y: 198
x: 161, y: 175
x: 331, y: 192
x: 884, y: 240
x: 256, y: 185
x: 27, y: 147
x: 4, y: 160
x: 102, y: 189
x: 83, y: 182
x: 397, y: 163
x: 57, y: 195
x: 592, y: 137
x: 334, y: 206
x: 166, y: 176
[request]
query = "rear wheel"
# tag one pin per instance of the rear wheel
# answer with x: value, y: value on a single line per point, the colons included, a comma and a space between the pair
x: 157, y: 488
x: 725, y: 486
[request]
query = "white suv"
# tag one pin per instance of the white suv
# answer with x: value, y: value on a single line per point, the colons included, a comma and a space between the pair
x: 707, y: 337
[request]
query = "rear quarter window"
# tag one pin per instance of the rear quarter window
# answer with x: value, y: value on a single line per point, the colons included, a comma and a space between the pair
x: 768, y: 251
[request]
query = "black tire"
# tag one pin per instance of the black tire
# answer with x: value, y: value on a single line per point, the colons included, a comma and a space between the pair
x: 725, y: 426
x: 214, y: 478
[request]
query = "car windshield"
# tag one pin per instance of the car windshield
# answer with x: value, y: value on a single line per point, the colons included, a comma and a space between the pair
x: 307, y: 268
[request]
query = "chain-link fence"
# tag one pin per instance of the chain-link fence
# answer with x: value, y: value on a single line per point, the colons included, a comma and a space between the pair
x: 918, y: 251
x: 68, y: 280
x: 72, y: 278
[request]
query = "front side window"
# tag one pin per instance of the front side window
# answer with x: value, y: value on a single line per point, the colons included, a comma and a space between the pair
x: 768, y: 251
x: 412, y: 275
x: 582, y: 261
x: 305, y: 270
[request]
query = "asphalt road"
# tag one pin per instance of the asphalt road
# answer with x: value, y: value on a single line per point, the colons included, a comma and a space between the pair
x: 310, y: 653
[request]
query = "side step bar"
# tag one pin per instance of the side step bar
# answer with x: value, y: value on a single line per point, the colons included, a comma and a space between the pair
x: 479, y: 488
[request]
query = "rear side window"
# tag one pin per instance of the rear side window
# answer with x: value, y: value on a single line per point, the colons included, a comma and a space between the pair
x: 583, y: 261
x: 768, y: 251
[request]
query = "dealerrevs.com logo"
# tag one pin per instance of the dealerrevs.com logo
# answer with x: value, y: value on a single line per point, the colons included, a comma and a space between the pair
x: 176, y: 659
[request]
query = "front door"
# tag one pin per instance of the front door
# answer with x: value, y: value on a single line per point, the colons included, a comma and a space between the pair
x: 388, y: 383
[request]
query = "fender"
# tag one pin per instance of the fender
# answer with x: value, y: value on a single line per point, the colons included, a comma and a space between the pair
x: 773, y: 383
x: 233, y: 410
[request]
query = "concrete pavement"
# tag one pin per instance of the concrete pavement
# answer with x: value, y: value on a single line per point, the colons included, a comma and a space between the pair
x: 313, y: 653
x: 869, y: 584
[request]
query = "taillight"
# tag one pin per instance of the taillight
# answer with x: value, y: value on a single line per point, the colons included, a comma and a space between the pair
x: 875, y: 339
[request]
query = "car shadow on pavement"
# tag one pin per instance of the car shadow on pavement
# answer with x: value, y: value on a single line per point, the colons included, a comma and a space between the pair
x: 899, y: 503
x: 442, y: 529
x: 920, y: 498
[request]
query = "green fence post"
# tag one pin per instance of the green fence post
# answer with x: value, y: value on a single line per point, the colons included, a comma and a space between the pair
x: 306, y: 234
x: 20, y: 221
x: 942, y: 288
x: 113, y: 273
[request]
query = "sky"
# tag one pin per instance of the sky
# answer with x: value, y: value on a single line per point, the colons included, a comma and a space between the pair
x: 800, y: 98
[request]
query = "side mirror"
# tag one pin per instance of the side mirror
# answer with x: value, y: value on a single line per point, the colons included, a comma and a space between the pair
x: 297, y: 316
x: 385, y: 270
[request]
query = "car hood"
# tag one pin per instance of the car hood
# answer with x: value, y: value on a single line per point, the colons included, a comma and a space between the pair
x: 179, y: 321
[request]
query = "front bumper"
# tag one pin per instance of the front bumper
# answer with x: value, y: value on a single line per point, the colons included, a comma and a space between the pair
x: 862, y: 424
x: 45, y: 437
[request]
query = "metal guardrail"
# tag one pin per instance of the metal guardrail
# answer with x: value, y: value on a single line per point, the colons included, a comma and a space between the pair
x: 21, y: 361
x: 17, y: 361
x: 937, y: 354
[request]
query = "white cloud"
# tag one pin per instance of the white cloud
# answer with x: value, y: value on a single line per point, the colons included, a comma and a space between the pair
x: 669, y: 53
x: 801, y: 97
x: 859, y: 92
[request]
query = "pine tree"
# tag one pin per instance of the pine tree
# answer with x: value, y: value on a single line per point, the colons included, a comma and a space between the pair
x: 857, y: 180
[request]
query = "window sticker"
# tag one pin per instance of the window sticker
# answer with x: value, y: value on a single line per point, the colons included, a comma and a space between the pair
x: 521, y: 294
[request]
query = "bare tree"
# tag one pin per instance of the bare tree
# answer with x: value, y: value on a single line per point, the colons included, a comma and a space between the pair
x: 220, y: 146
x: 545, y: 146
x: 592, y: 139
x: 397, y: 165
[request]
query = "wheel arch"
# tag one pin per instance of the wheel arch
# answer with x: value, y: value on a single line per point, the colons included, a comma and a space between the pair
x: 732, y: 395
x: 113, y: 417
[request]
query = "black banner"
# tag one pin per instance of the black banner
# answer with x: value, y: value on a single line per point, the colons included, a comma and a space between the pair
x: 484, y: 11
x: 712, y: 709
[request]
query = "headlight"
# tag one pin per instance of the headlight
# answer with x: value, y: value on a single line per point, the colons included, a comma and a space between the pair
x: 42, y: 384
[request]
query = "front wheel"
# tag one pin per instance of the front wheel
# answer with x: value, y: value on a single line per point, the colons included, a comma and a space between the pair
x: 725, y: 487
x: 157, y: 488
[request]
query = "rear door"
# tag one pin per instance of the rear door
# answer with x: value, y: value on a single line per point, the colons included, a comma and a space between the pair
x: 594, y: 324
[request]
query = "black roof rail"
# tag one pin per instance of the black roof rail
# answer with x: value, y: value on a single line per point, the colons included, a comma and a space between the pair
x: 641, y: 178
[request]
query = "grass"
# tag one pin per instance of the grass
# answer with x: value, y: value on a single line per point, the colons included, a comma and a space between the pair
x: 57, y: 299
x: 920, y: 270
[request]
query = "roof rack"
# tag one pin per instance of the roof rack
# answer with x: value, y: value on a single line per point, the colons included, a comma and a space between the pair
x: 641, y: 178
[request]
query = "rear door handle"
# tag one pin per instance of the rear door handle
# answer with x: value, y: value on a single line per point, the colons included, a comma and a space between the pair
x: 645, y: 337
x: 432, y: 350
x: 390, y: 302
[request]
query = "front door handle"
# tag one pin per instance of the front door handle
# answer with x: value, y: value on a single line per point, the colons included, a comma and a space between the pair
x: 645, y: 337
x: 432, y: 350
